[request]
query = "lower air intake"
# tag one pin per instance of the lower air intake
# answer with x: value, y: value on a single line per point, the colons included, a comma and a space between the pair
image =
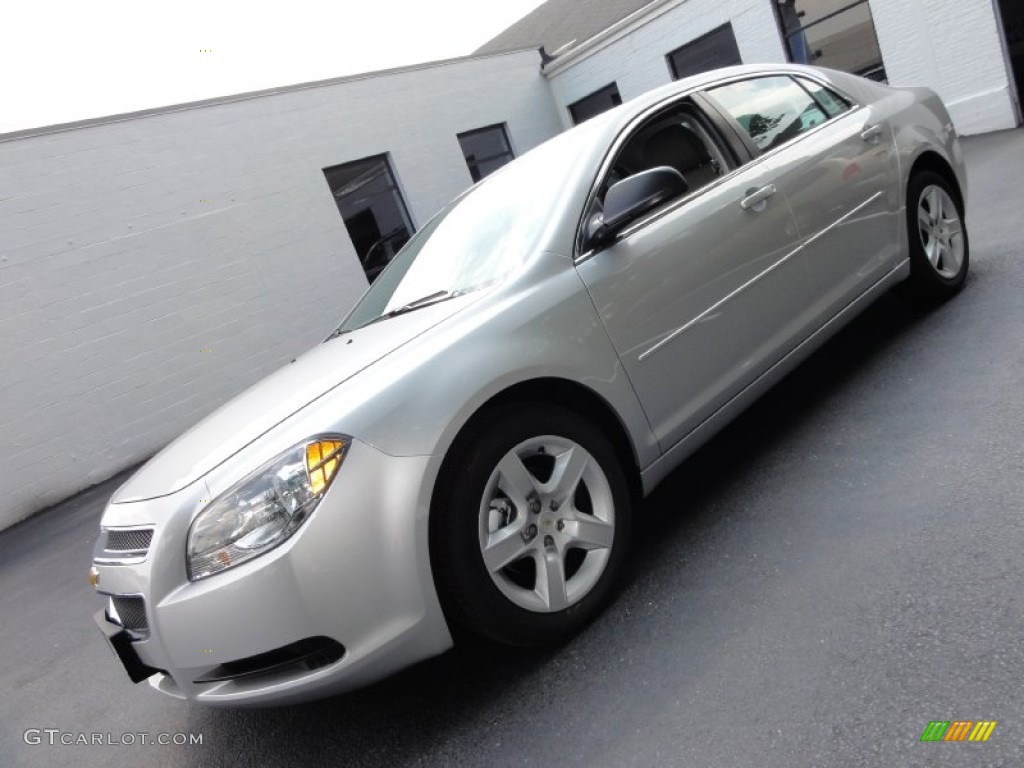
x: 303, y: 655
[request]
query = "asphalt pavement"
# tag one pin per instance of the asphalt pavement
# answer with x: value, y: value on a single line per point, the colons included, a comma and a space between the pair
x: 841, y: 566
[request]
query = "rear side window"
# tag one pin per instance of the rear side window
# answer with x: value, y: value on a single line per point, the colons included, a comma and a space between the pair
x: 772, y: 110
x: 827, y: 99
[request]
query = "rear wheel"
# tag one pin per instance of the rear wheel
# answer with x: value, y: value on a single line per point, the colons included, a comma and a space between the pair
x: 939, y: 246
x: 530, y: 526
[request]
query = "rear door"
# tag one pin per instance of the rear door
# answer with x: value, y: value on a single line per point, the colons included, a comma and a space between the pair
x: 702, y: 296
x: 835, y: 162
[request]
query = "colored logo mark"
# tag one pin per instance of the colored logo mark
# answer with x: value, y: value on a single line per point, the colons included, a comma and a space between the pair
x: 959, y: 730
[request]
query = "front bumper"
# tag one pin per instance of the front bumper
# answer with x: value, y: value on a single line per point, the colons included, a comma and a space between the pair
x: 345, y: 601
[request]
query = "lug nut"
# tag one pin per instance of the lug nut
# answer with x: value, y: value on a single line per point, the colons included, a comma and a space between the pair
x: 529, y: 532
x: 554, y: 505
x: 561, y: 525
x: 535, y: 505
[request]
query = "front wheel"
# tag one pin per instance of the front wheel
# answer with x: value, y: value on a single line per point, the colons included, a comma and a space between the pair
x: 530, y: 526
x: 939, y: 247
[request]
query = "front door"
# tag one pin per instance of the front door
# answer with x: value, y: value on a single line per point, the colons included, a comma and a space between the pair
x: 702, y: 297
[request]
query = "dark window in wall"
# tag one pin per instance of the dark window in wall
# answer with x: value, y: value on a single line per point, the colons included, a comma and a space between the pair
x: 599, y: 101
x: 372, y: 208
x: 486, y: 150
x: 831, y: 33
x: 715, y: 49
x: 1013, y: 29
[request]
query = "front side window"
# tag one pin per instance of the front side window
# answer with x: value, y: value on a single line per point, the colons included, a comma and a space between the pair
x: 772, y: 110
x: 839, y: 34
x: 485, y: 150
x: 593, y: 105
x: 680, y: 138
x: 373, y: 210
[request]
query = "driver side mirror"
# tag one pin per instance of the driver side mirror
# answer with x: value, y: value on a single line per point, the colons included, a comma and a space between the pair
x: 632, y: 198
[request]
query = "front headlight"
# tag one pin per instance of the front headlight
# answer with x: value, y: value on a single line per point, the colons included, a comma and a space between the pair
x: 264, y: 509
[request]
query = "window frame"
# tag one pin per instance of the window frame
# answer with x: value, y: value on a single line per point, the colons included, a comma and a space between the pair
x: 785, y: 37
x: 613, y: 85
x: 510, y: 152
x: 394, y: 185
x: 672, y: 65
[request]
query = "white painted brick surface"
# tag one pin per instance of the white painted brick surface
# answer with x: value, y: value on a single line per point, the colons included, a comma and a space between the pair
x: 953, y: 47
x: 114, y: 276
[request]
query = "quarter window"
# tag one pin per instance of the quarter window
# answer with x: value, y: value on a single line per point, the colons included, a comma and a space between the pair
x: 772, y: 110
x: 485, y: 150
x: 373, y: 210
x: 599, y: 101
x: 827, y: 99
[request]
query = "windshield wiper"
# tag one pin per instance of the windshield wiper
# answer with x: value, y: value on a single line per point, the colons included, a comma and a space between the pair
x: 412, y: 306
x: 423, y: 301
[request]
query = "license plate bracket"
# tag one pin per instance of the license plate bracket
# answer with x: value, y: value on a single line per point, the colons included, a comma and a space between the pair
x: 120, y: 642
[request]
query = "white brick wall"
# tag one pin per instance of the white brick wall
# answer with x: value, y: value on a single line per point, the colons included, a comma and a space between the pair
x: 114, y: 277
x: 952, y: 46
x: 949, y: 45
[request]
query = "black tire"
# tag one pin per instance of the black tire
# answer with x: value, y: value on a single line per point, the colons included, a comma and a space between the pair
x: 929, y: 281
x: 470, y: 596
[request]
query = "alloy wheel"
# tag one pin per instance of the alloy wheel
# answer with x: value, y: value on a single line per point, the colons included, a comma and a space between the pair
x: 941, y: 231
x: 547, y: 524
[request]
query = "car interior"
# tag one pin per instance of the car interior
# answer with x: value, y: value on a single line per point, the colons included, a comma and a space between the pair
x: 677, y: 139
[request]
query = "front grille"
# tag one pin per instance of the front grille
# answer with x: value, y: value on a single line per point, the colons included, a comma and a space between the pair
x: 130, y: 613
x: 129, y: 539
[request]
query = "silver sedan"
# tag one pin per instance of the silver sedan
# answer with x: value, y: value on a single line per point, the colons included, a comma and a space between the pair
x: 465, y: 452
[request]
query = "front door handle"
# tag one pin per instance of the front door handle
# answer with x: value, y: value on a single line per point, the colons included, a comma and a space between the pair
x: 871, y: 133
x: 757, y: 199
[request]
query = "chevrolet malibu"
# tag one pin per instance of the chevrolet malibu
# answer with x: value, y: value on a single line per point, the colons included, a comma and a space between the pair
x: 464, y: 453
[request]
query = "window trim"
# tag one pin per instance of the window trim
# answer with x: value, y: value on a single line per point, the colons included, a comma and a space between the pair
x: 511, y: 152
x: 701, y: 97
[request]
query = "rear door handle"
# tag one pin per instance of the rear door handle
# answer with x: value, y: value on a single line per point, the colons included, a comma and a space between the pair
x: 871, y: 133
x: 756, y: 199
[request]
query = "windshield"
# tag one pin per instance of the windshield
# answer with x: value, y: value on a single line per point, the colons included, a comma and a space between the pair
x: 476, y: 241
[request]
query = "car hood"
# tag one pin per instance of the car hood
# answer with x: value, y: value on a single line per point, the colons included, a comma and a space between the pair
x: 259, y: 409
